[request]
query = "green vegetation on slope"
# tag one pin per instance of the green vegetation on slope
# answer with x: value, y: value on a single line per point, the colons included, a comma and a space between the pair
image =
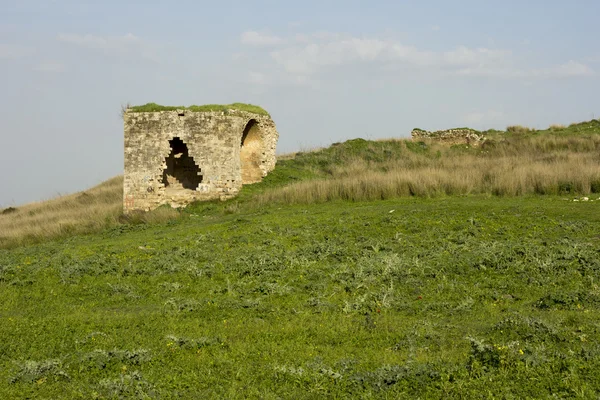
x: 360, y: 270
x: 559, y: 161
x: 456, y: 297
x: 153, y: 107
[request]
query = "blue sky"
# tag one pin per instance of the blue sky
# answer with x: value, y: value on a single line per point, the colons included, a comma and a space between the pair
x: 327, y: 71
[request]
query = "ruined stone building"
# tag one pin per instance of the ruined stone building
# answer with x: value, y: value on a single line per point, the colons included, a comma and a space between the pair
x: 176, y: 156
x: 455, y: 136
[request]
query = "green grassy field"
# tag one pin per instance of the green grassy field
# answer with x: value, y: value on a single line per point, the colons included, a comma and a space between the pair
x: 450, y: 297
x: 319, y: 283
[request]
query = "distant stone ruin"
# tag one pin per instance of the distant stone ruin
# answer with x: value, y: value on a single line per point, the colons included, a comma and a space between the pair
x: 465, y: 136
x: 179, y: 155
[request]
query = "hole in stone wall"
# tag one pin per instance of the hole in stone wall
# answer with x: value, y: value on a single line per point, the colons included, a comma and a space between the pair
x: 250, y: 153
x: 181, y: 171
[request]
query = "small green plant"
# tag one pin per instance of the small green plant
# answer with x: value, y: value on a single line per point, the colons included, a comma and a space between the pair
x: 126, y: 386
x: 40, y: 371
x: 9, y: 210
x: 419, y: 147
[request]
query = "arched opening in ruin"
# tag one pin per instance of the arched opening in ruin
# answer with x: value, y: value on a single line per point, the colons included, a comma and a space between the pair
x: 250, y: 153
x: 181, y: 171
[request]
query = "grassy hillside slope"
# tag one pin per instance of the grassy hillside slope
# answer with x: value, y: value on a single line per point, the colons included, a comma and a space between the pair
x: 561, y: 161
x: 318, y: 283
x: 91, y: 210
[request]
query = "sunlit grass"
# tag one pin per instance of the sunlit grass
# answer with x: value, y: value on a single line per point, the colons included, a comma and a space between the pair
x: 449, y: 297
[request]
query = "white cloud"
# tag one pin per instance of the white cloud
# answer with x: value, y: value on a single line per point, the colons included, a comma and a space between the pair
x: 435, y: 28
x: 569, y: 69
x: 14, y: 51
x: 308, y: 58
x: 309, y: 53
x: 303, y: 56
x: 492, y: 71
x: 463, y: 56
x: 411, y: 56
x: 253, y: 38
x: 50, y: 66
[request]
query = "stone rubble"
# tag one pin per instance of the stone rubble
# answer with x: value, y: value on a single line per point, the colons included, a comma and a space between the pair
x: 451, y: 136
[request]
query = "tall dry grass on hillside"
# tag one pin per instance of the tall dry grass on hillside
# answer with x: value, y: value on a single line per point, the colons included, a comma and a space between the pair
x: 89, y: 211
x: 508, y: 167
x: 81, y: 212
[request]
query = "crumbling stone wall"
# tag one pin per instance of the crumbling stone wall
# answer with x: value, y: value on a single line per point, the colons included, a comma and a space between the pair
x: 176, y: 157
x: 466, y: 136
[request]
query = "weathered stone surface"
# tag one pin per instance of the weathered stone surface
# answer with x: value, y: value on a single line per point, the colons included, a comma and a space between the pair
x: 176, y: 157
x: 451, y: 136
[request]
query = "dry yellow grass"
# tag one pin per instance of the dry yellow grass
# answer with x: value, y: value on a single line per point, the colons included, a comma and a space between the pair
x: 88, y: 211
x: 519, y: 129
x: 538, y: 165
x: 76, y: 213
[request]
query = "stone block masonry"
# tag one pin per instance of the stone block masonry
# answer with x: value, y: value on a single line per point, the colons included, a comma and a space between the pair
x: 466, y: 136
x: 179, y: 156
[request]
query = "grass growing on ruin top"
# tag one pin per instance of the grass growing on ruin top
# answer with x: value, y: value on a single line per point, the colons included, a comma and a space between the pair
x: 153, y: 107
